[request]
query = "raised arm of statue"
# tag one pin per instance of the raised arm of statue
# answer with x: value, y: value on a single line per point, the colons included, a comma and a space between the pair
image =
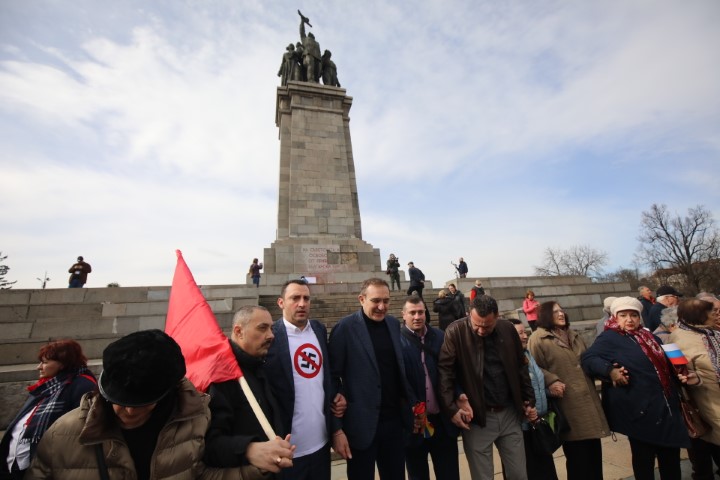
x: 303, y: 21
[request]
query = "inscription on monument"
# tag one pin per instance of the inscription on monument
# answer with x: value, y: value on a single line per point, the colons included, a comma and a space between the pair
x: 321, y: 259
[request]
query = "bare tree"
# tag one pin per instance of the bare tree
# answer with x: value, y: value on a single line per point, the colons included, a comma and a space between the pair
x: 688, y: 246
x: 622, y: 274
x: 576, y: 260
x: 4, y: 284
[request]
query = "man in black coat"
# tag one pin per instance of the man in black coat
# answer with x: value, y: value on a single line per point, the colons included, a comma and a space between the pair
x: 235, y: 436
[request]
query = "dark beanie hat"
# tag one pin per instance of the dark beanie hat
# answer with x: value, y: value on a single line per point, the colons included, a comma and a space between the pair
x: 141, y: 368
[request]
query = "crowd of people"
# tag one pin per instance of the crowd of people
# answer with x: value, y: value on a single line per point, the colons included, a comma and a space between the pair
x: 384, y: 393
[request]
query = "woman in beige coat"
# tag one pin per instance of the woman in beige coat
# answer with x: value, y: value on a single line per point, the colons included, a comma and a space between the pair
x: 700, y: 342
x: 557, y: 350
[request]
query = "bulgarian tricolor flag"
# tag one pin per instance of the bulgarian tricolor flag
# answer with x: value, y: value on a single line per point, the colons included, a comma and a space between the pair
x: 208, y: 355
x: 674, y: 354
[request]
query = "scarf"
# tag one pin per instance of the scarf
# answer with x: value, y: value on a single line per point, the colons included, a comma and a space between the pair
x: 650, y: 347
x: 710, y: 340
x: 49, y: 406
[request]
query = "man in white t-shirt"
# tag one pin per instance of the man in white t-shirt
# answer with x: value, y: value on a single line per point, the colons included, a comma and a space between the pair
x: 297, y: 369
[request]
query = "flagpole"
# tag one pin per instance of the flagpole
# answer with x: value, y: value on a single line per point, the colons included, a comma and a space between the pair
x: 208, y: 355
x: 256, y: 408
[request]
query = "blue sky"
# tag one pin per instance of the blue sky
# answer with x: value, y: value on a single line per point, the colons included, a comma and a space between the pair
x: 489, y: 130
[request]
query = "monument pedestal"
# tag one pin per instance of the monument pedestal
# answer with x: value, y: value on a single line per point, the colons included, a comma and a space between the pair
x: 319, y: 231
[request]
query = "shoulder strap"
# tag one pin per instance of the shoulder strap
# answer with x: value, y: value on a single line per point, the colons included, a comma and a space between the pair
x: 102, y: 466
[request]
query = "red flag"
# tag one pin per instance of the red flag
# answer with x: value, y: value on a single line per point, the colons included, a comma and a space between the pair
x: 191, y: 322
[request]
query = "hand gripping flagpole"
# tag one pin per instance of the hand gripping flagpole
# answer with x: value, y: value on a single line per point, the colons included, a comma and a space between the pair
x: 208, y: 355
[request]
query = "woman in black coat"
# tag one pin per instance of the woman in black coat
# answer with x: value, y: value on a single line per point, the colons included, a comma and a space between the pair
x: 640, y: 391
x: 446, y: 308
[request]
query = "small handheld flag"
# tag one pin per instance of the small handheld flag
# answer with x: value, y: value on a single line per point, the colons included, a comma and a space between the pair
x: 674, y: 354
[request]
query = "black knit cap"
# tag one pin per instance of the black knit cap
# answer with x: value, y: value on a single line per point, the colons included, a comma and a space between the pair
x: 141, y: 368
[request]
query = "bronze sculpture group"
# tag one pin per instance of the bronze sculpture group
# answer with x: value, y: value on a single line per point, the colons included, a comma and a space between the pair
x: 302, y: 62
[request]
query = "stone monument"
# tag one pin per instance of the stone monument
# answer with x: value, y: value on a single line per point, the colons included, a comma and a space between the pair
x: 319, y: 234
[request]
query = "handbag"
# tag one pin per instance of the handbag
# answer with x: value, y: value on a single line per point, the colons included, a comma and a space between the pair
x: 546, y: 431
x: 696, y: 426
x: 545, y: 434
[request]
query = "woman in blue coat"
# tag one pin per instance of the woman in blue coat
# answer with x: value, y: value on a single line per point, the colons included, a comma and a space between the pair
x: 640, y: 391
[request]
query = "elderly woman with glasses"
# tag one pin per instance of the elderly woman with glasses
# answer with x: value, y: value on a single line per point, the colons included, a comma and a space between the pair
x: 557, y: 350
x: 640, y: 391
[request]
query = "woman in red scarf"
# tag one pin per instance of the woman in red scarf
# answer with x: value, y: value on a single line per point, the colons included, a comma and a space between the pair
x: 64, y: 379
x: 640, y: 391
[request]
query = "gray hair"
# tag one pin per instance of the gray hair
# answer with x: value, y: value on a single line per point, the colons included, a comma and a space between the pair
x: 708, y: 297
x: 242, y: 316
x: 669, y: 317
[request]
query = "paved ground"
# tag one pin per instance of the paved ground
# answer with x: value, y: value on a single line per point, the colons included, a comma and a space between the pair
x: 616, y: 463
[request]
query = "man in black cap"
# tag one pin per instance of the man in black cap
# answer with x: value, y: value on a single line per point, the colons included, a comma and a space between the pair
x: 147, y: 422
x: 666, y: 296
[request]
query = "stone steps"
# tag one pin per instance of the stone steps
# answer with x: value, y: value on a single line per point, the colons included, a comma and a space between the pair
x: 97, y: 316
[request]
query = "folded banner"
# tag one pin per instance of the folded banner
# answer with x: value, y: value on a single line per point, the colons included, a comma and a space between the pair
x: 674, y: 354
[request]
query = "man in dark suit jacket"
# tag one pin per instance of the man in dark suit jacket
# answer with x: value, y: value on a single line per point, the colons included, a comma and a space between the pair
x: 421, y: 348
x: 297, y: 369
x: 366, y: 363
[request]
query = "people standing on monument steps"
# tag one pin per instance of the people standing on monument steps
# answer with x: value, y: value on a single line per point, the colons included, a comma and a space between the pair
x: 78, y: 273
x: 433, y: 432
x: 557, y: 349
x: 393, y: 270
x: 64, y: 379
x: 367, y: 366
x: 459, y: 298
x: 530, y: 308
x: 447, y: 308
x: 417, y: 280
x: 254, y: 272
x: 461, y: 268
x: 477, y: 290
x: 298, y: 369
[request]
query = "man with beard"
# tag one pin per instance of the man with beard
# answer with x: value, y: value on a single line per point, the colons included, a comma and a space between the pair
x: 235, y: 436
